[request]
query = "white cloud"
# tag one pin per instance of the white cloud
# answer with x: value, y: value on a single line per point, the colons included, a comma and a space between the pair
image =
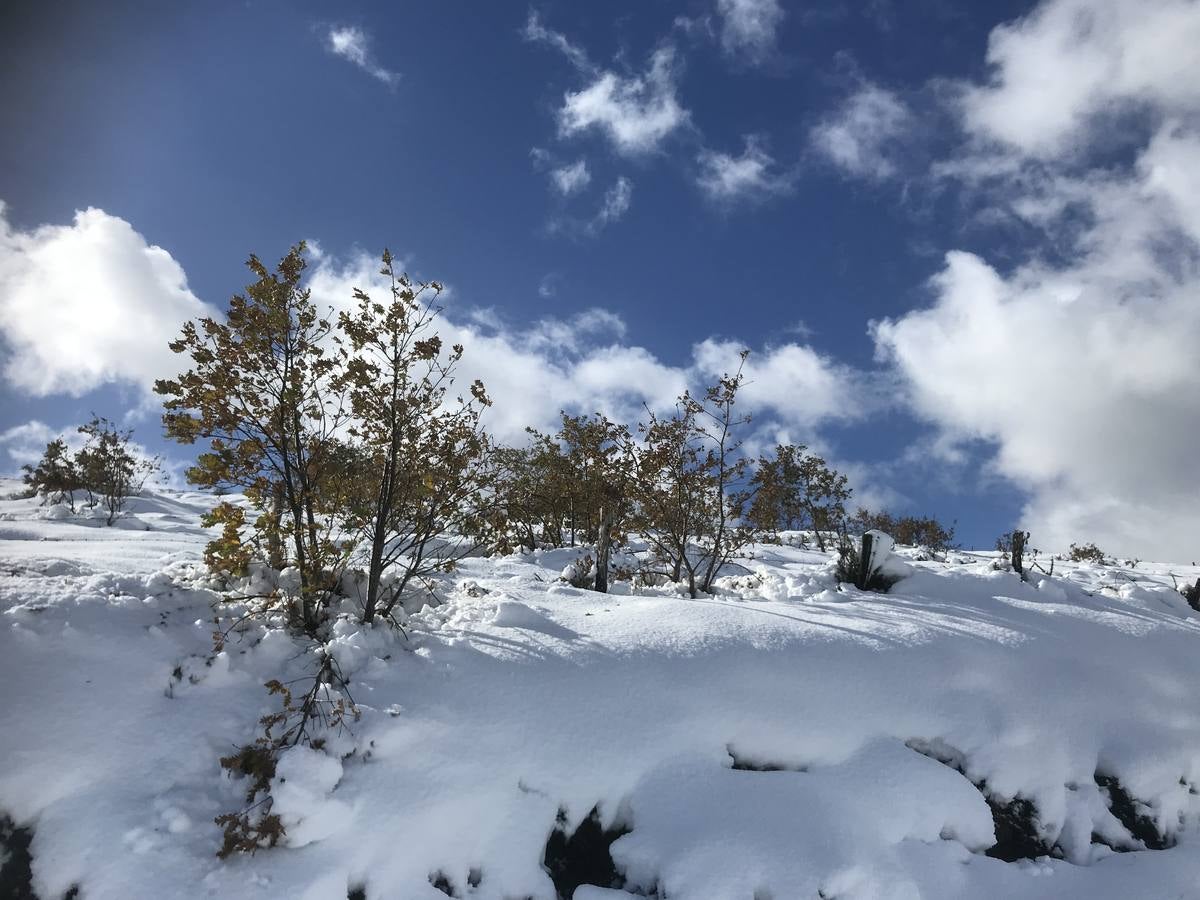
x: 749, y: 177
x: 571, y: 179
x: 89, y: 304
x: 748, y: 28
x: 536, y: 32
x: 617, y: 200
x: 636, y: 113
x: 584, y: 364
x: 1083, y: 372
x: 1070, y: 62
x: 24, y: 444
x: 791, y: 383
x: 353, y: 45
x: 863, y: 136
x: 1079, y: 363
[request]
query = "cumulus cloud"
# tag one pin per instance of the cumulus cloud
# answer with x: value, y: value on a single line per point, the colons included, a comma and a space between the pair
x: 748, y: 28
x: 353, y: 45
x: 1079, y: 363
x: 571, y: 179
x: 584, y: 363
x: 863, y: 135
x: 635, y: 112
x: 1068, y: 62
x: 752, y: 176
x: 88, y: 304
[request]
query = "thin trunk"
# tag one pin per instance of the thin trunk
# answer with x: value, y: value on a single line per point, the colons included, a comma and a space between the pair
x: 604, y: 547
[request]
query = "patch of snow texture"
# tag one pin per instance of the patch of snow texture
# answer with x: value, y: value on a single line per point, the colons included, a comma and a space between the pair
x: 514, y: 695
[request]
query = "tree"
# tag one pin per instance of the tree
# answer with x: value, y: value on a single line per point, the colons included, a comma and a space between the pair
x: 260, y: 392
x: 56, y: 475
x: 424, y: 454
x: 598, y: 460
x: 109, y: 468
x: 686, y: 484
x: 797, y: 490
x: 532, y: 498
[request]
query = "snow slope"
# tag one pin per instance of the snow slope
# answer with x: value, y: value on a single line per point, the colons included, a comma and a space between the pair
x: 782, y: 739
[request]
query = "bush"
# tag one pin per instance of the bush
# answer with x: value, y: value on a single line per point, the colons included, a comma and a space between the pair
x: 110, y: 470
x: 56, y: 476
x: 1192, y: 595
x: 925, y: 532
x: 849, y: 568
x: 798, y: 490
x: 1086, y: 553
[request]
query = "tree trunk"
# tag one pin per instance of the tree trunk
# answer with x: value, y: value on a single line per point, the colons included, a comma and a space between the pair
x: 1018, y: 553
x: 604, y: 547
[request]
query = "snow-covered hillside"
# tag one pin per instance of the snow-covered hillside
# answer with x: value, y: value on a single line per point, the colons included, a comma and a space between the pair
x: 782, y: 739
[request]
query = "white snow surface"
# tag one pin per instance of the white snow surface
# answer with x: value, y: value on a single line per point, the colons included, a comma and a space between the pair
x: 514, y: 695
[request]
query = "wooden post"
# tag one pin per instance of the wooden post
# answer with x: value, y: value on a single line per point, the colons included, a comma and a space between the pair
x: 1018, y: 552
x: 864, y: 561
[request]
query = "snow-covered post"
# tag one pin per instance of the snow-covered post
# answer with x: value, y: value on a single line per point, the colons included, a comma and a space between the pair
x: 876, y: 545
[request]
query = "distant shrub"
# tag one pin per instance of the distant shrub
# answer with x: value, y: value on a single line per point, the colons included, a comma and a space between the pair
x: 56, y: 476
x: 915, y: 531
x: 1086, y: 553
x: 109, y: 468
x: 797, y: 490
x: 1192, y: 595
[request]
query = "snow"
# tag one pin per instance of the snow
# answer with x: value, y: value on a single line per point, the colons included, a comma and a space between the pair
x: 515, y: 696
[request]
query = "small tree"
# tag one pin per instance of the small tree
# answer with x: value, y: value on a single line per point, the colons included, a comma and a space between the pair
x: 796, y: 489
x: 424, y: 454
x: 673, y: 492
x: 532, y: 500
x: 260, y: 392
x: 597, y: 453
x: 109, y: 468
x: 687, y: 483
x: 56, y: 475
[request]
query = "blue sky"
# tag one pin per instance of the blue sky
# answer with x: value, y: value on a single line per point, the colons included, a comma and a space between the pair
x: 619, y: 195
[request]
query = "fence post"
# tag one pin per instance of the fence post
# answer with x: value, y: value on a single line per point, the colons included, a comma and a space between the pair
x: 1018, y: 552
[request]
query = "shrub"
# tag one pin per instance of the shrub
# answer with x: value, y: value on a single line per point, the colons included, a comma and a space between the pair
x: 686, y: 473
x: 925, y: 532
x: 849, y: 568
x: 109, y: 468
x: 56, y: 476
x: 1086, y: 553
x: 798, y: 490
x: 1192, y: 595
x: 420, y: 501
x: 260, y: 393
